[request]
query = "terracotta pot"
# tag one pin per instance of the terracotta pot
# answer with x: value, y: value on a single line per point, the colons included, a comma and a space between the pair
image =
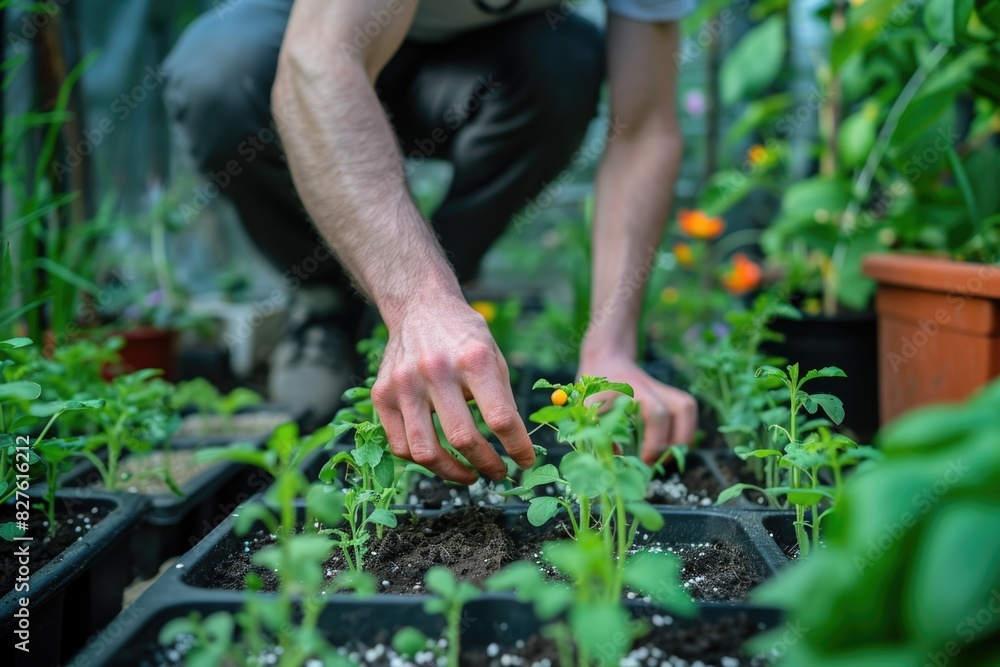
x: 150, y: 347
x: 939, y: 329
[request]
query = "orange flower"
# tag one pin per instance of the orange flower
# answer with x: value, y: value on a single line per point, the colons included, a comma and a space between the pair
x: 698, y: 225
x: 684, y: 255
x: 743, y: 276
x: 486, y: 309
x: 757, y: 154
x: 670, y: 295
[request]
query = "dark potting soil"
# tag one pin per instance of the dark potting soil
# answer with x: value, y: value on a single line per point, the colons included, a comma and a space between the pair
x: 72, y: 526
x: 474, y: 543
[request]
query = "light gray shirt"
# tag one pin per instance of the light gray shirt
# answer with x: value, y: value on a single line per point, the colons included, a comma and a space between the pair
x: 438, y: 20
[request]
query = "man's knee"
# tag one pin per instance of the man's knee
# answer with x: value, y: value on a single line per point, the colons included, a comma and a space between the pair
x: 217, y: 97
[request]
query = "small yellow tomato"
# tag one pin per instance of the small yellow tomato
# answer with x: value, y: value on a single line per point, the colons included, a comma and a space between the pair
x: 559, y: 397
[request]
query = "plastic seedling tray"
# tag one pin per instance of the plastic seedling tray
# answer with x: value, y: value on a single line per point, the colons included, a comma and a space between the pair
x: 78, y: 592
x: 490, y: 623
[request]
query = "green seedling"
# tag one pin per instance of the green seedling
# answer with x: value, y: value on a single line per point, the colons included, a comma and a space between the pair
x: 603, y: 491
x: 208, y: 401
x: 24, y: 458
x: 449, y: 597
x: 135, y: 418
x: 800, y: 447
x: 288, y: 621
x: 373, y: 478
x: 587, y: 626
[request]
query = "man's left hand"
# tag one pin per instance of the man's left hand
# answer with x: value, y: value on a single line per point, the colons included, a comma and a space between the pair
x: 669, y: 415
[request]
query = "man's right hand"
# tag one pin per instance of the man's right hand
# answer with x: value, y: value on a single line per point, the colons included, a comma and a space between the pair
x: 440, y: 355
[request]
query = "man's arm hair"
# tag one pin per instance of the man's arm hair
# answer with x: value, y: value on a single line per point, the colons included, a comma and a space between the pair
x: 343, y: 154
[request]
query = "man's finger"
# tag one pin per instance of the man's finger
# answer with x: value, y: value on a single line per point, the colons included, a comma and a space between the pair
x: 656, y: 426
x: 422, y: 440
x: 684, y: 410
x: 496, y: 403
x: 392, y: 422
x: 460, y: 429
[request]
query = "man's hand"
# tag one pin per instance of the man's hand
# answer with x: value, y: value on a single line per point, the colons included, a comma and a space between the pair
x: 668, y: 414
x: 440, y: 355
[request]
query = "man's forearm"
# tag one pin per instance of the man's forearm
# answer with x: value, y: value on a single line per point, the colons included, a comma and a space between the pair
x: 348, y: 172
x: 635, y: 181
x: 633, y: 196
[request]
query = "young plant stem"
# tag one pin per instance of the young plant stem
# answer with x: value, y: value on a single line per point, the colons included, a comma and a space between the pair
x: 453, y: 634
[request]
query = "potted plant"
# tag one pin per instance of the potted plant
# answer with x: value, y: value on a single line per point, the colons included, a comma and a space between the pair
x: 938, y: 299
x: 835, y: 156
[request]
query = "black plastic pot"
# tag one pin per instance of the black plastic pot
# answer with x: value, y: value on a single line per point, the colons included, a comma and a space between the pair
x: 173, y: 524
x: 741, y: 530
x: 486, y: 620
x: 77, y: 593
x: 848, y: 341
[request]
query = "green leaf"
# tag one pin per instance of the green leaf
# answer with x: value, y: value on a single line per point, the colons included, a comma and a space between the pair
x: 603, y: 629
x: 857, y: 136
x: 326, y: 503
x: 826, y: 372
x: 546, y: 474
x: 585, y: 474
x: 832, y: 406
x: 764, y: 453
x: 20, y: 391
x: 9, y: 531
x: 409, y: 641
x: 522, y: 577
x: 754, y: 62
x: 732, y: 492
x: 385, y: 470
x: 541, y: 510
x: 543, y: 384
x: 550, y: 414
x: 647, y: 515
x: 440, y: 580
x: 658, y: 576
x: 989, y: 12
x: 249, y: 514
x: 14, y: 343
x: 368, y: 454
x: 382, y: 517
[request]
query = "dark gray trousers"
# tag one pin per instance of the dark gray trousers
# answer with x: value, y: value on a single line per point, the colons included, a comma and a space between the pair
x: 506, y: 105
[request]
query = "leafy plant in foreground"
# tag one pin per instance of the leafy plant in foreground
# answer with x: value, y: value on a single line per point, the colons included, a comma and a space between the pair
x: 448, y: 599
x: 288, y: 621
x: 208, y: 401
x: 601, y: 488
x: 803, y: 447
x: 908, y: 574
x: 373, y: 478
x: 587, y: 627
x: 21, y: 457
